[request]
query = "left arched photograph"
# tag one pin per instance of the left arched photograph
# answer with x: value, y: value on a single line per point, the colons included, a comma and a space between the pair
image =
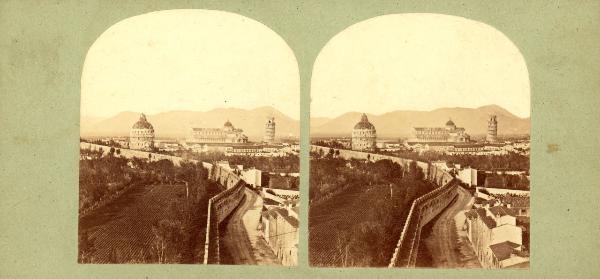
x: 189, y: 142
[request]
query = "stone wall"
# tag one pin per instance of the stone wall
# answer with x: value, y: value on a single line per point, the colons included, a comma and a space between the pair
x: 352, y: 154
x: 131, y: 153
x: 219, y: 208
x: 422, y: 210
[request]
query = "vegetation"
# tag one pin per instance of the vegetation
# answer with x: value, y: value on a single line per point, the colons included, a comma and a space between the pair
x: 357, y: 208
x: 511, y: 161
x: 161, y: 209
x: 286, y: 164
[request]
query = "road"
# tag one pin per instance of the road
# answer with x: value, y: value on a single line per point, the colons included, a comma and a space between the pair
x: 447, y: 244
x: 241, y: 238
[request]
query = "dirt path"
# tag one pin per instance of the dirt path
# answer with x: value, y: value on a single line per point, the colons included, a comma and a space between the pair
x: 447, y: 248
x: 260, y: 249
x: 234, y: 238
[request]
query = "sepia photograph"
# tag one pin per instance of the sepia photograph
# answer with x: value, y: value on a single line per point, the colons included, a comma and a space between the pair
x: 420, y: 146
x: 189, y: 143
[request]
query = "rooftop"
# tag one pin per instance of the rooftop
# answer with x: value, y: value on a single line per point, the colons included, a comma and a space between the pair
x: 364, y: 123
x: 502, y: 211
x: 503, y: 250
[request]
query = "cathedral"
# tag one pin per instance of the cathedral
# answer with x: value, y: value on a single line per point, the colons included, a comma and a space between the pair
x: 449, y: 133
x: 141, y: 136
x: 227, y: 134
x: 364, y: 135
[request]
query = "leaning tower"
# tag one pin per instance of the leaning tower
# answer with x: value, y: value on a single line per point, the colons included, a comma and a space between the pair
x: 492, y: 131
x: 269, y: 130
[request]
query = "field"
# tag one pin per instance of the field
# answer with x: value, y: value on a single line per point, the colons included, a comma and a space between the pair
x: 356, y: 213
x: 128, y: 229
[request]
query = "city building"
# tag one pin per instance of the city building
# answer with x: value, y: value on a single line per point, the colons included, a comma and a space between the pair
x: 255, y: 150
x: 449, y: 133
x: 227, y: 134
x: 364, y: 135
x: 269, y: 137
x: 468, y: 176
x: 141, y: 136
x: 252, y: 177
x: 279, y: 226
x: 495, y: 237
x: 492, y: 131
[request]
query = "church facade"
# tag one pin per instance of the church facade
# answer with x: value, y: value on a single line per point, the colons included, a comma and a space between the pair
x: 449, y: 133
x: 227, y: 134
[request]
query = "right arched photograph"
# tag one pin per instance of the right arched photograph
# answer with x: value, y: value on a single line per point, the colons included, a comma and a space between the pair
x: 420, y: 146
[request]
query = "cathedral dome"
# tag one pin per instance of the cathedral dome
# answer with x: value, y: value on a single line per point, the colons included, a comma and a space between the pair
x: 364, y: 124
x: 142, y: 123
x: 228, y: 124
x: 450, y: 123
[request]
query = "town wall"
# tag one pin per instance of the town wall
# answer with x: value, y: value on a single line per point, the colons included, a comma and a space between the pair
x: 131, y: 153
x: 220, y: 207
x: 353, y: 154
x: 422, y: 210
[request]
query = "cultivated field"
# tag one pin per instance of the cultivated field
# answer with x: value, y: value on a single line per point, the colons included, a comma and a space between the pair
x: 125, y: 231
x: 332, y: 222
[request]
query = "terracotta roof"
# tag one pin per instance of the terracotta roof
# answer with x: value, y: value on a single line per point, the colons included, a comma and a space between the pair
x: 142, y: 123
x: 364, y: 123
x: 503, y: 250
x: 284, y: 214
x: 487, y: 220
x: 471, y: 213
x: 502, y: 211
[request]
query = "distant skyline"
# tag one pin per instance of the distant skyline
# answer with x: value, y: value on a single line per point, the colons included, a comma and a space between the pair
x: 418, y: 62
x: 416, y: 110
x: 192, y: 60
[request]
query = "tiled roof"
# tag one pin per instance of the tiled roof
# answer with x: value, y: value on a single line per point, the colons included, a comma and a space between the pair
x: 515, y: 201
x: 479, y: 200
x: 471, y: 213
x: 487, y: 220
x: 502, y: 211
x: 503, y: 250
x: 284, y: 214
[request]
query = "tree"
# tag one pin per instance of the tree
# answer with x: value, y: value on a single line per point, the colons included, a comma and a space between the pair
x: 167, y: 234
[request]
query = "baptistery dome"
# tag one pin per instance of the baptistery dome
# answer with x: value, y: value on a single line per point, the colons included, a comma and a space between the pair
x: 141, y: 136
x: 364, y: 135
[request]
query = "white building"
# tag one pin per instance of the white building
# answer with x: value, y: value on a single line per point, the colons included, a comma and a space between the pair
x: 495, y: 237
x: 141, y: 136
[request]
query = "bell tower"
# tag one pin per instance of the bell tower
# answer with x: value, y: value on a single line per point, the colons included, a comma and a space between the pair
x: 492, y: 131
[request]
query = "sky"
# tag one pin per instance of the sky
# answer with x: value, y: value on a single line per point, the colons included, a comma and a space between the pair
x: 418, y: 62
x: 188, y: 60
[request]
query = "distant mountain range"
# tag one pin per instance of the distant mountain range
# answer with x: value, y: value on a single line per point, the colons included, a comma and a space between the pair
x: 400, y: 123
x: 391, y: 124
x: 178, y: 123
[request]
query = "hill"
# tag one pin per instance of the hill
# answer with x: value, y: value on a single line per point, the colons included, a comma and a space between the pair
x: 178, y: 123
x: 400, y: 123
